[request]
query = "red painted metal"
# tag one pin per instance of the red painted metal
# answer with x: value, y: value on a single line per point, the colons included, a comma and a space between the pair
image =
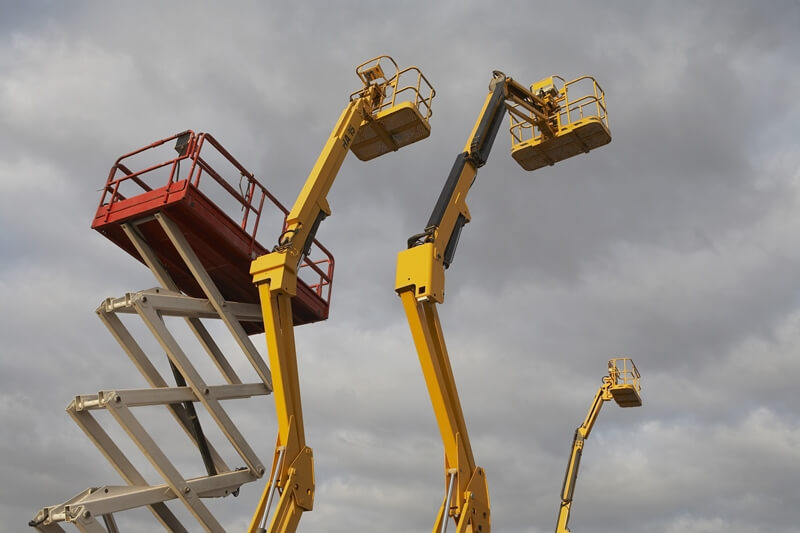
x: 224, y: 246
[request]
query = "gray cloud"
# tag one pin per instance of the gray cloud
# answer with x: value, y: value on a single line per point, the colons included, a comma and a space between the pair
x: 673, y: 245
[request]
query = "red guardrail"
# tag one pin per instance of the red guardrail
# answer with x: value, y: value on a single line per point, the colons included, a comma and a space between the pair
x: 250, y: 196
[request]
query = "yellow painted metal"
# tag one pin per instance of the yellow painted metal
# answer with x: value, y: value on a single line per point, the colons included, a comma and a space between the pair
x: 577, y: 122
x: 402, y: 114
x: 420, y: 279
x: 280, y: 267
x: 625, y: 382
x: 422, y: 267
x: 379, y: 108
x: 390, y: 130
x: 470, y: 485
x: 427, y: 334
x: 622, y: 381
x: 420, y: 270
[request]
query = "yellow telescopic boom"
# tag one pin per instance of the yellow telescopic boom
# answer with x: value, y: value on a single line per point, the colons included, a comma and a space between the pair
x: 622, y: 385
x: 391, y: 110
x: 548, y: 124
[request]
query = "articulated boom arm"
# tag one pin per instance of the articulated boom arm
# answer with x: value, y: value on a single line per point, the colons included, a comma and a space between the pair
x: 372, y: 124
x: 622, y: 385
x: 536, y: 113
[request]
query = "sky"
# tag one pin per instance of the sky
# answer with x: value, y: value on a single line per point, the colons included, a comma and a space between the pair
x: 673, y: 245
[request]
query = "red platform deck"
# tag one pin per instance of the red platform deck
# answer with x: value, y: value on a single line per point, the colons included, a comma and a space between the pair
x: 224, y: 247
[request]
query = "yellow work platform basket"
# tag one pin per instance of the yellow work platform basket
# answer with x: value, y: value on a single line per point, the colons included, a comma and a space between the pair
x: 576, y: 122
x: 401, y: 116
x: 624, y: 382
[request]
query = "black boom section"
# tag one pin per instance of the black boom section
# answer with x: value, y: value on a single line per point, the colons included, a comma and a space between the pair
x: 311, y: 235
x: 479, y: 148
x: 448, y: 190
x: 450, y: 251
x: 489, y: 125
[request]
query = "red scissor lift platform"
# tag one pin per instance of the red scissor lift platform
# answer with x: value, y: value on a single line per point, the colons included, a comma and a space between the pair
x: 196, y: 203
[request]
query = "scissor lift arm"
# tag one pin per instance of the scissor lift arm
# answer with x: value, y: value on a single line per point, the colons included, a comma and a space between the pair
x: 420, y: 283
x: 373, y: 123
x: 622, y: 385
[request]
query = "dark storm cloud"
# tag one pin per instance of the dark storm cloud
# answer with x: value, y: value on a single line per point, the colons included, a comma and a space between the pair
x: 30, y: 16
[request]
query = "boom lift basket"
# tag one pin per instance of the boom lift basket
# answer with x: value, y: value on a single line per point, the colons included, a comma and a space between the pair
x: 137, y: 188
x: 402, y: 114
x: 625, y: 382
x: 577, y: 123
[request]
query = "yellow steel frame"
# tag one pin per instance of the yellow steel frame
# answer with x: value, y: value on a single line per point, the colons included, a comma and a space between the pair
x: 275, y: 275
x: 420, y: 284
x: 569, y: 112
x: 622, y: 376
x: 467, y: 497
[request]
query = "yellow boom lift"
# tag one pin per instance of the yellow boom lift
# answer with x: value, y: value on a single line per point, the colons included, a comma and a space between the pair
x: 548, y: 124
x: 622, y: 385
x: 390, y: 111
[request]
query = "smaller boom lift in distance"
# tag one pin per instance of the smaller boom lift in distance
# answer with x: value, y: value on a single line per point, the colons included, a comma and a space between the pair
x: 548, y: 124
x: 622, y: 385
x: 391, y: 110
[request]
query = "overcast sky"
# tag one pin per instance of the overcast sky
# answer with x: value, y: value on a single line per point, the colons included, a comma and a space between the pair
x: 674, y: 245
